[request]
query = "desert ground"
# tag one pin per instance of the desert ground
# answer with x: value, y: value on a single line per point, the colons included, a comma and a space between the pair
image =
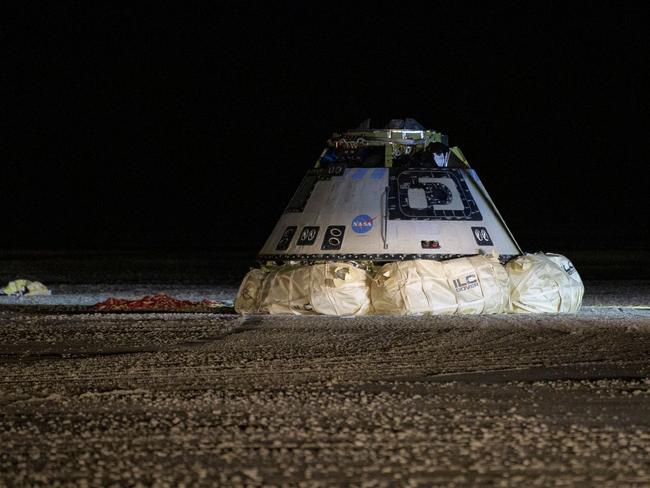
x: 140, y: 399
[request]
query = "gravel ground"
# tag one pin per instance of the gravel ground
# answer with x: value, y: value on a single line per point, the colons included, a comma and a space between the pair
x: 181, y: 399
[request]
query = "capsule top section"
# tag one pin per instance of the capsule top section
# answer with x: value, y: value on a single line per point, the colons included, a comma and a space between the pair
x: 401, y: 143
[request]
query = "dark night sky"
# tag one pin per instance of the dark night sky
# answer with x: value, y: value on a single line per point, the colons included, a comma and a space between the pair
x: 149, y: 128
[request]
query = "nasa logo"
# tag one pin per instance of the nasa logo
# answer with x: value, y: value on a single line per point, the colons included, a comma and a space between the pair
x: 362, y: 224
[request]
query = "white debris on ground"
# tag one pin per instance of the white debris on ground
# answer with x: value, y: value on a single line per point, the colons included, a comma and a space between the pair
x: 22, y: 287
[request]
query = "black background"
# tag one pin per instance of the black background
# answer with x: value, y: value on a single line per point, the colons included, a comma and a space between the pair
x: 148, y: 127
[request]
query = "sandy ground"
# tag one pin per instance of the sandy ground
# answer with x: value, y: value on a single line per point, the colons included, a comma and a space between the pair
x: 168, y: 399
x: 186, y: 399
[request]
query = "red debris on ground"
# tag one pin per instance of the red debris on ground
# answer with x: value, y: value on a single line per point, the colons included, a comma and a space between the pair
x: 160, y: 302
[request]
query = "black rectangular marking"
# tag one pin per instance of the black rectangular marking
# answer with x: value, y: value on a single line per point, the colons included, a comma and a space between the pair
x: 481, y: 236
x: 333, y: 238
x: 437, y: 195
x: 307, y: 236
x: 285, y: 240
